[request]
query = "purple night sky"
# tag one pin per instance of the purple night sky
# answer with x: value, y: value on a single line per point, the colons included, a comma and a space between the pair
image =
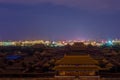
x: 59, y: 19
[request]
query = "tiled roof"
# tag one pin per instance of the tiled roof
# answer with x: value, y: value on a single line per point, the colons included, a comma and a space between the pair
x: 76, y: 68
x: 78, y: 59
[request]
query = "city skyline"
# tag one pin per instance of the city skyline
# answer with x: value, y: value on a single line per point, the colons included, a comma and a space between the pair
x: 59, y: 19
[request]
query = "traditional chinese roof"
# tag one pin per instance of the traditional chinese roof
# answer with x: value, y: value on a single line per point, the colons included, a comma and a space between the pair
x: 76, y: 68
x: 77, y: 60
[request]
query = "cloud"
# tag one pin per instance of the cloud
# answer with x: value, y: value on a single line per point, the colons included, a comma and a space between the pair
x: 83, y: 4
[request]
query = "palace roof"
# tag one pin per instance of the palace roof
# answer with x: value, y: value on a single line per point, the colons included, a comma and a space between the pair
x: 76, y: 68
x: 77, y: 60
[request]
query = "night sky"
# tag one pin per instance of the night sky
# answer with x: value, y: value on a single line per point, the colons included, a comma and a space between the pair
x: 59, y: 19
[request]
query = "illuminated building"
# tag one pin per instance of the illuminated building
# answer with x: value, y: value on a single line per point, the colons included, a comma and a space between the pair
x: 83, y: 67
